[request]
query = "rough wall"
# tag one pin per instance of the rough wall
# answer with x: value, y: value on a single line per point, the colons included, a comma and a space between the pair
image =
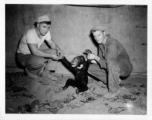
x: 71, y: 27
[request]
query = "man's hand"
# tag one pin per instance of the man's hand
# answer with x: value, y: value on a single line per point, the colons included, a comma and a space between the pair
x: 87, y: 51
x: 60, y: 54
x: 93, y: 61
x: 93, y: 57
x: 54, y: 57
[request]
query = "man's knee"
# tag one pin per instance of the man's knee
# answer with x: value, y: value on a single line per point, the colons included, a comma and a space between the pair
x: 113, y: 65
x: 93, y: 67
x: 112, y: 62
x: 36, y: 61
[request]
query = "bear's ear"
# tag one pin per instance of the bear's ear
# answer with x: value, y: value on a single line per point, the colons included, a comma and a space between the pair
x: 80, y: 66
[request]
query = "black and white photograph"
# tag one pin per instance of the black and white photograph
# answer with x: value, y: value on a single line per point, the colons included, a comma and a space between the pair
x: 76, y: 59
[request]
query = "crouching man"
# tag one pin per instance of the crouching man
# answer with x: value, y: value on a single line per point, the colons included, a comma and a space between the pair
x: 29, y: 53
x: 112, y: 61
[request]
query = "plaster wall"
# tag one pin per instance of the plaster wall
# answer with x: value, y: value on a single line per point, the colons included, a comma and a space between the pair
x: 71, y: 27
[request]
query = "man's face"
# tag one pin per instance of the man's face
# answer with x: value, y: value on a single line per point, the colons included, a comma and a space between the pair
x: 43, y: 28
x: 99, y: 36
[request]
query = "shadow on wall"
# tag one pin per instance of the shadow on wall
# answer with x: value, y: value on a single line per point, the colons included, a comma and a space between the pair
x: 93, y: 40
x: 16, y: 60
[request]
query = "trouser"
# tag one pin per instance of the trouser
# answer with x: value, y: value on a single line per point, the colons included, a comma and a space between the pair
x: 116, y: 68
x: 35, y: 64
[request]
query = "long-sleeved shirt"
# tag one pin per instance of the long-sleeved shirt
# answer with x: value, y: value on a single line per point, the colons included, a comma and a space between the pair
x: 113, y: 49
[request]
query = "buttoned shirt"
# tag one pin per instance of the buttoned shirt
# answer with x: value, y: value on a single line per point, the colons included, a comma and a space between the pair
x: 112, y: 49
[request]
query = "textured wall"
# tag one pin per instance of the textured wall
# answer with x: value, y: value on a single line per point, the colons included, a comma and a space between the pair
x: 71, y: 27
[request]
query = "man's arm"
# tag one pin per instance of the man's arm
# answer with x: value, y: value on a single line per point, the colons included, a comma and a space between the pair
x: 112, y: 53
x: 97, y: 59
x: 35, y: 51
x: 54, y: 46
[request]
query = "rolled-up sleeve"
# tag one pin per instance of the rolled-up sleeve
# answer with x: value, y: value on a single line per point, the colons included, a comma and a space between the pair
x: 102, y: 63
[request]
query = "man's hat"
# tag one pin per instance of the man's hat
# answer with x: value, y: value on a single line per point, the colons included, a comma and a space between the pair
x: 100, y: 28
x: 43, y: 18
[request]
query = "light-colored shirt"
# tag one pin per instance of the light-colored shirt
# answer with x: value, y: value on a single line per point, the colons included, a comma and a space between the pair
x: 31, y: 37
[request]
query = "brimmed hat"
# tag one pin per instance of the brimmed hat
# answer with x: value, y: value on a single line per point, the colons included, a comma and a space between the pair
x: 99, y: 28
x: 43, y: 18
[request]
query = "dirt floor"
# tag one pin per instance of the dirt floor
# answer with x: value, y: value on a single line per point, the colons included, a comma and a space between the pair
x: 44, y: 96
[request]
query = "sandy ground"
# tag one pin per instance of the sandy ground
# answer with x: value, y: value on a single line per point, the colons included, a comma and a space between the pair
x: 44, y: 96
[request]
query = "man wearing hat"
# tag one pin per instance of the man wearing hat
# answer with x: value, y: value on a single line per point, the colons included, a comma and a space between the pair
x: 29, y: 53
x: 113, y: 61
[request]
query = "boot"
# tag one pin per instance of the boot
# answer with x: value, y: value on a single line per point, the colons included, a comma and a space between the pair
x: 112, y: 94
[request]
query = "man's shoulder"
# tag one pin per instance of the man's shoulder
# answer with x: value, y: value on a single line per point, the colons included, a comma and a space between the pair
x: 112, y: 40
x: 109, y: 37
x: 31, y: 30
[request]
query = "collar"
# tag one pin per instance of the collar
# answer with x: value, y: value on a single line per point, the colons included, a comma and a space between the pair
x: 105, y: 41
x: 38, y: 32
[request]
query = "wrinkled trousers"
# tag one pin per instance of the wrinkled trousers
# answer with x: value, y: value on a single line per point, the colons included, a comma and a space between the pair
x: 116, y: 68
x: 36, y: 64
